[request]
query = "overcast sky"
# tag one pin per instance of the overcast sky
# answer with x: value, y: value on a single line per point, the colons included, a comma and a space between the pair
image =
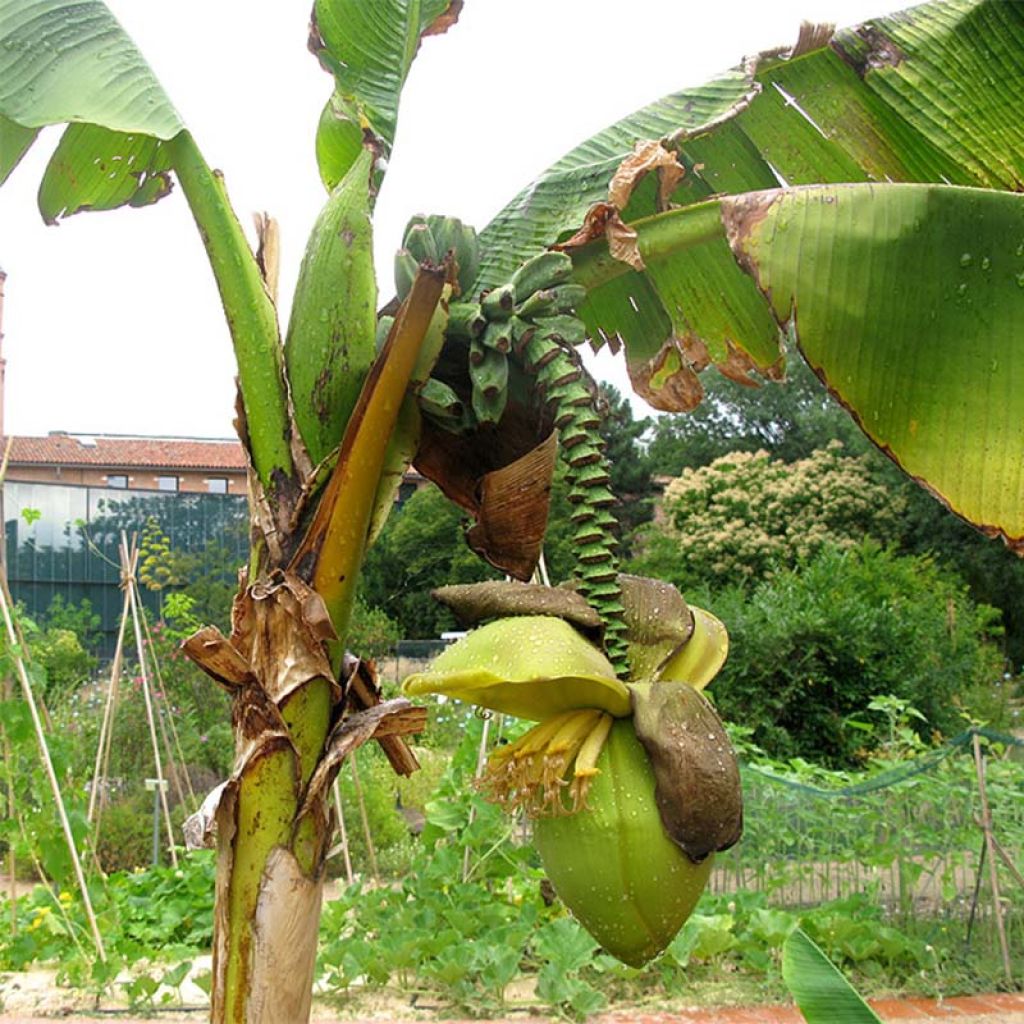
x: 111, y: 321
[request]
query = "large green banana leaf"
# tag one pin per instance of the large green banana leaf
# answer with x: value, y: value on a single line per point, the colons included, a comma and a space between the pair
x: 793, y: 219
x: 369, y: 48
x: 823, y: 995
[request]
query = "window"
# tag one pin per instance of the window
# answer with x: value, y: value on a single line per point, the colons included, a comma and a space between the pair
x: 117, y: 480
x: 217, y: 485
x: 166, y: 483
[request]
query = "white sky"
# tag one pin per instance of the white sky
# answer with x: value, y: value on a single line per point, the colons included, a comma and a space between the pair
x: 111, y: 321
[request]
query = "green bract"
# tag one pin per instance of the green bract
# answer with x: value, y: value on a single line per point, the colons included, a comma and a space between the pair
x: 530, y: 666
x: 613, y: 865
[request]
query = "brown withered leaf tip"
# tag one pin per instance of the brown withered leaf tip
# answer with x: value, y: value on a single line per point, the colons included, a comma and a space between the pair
x: 697, y: 779
x: 603, y: 220
x: 667, y: 380
x: 513, y: 511
x: 647, y: 156
x: 498, y: 599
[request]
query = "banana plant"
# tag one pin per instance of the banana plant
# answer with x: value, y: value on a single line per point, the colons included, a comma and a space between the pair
x: 856, y: 196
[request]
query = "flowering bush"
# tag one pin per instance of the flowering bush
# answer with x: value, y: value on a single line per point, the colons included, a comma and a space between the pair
x: 747, y: 514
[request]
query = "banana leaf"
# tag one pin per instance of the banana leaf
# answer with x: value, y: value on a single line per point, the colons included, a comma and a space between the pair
x: 821, y: 992
x: 857, y: 196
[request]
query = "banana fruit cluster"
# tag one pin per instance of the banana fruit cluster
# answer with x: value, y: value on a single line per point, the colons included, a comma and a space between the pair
x: 531, y: 320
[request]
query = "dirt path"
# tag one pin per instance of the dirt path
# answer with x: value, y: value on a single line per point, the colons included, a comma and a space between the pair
x: 981, y: 1009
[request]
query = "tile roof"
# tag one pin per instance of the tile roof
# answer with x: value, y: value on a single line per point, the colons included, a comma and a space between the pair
x: 138, y: 452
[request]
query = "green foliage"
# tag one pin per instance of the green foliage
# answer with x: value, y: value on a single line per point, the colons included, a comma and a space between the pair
x: 372, y: 633
x: 420, y: 547
x: 63, y: 658
x: 788, y: 421
x: 59, y: 659
x: 811, y: 646
x: 746, y: 515
x: 161, y: 913
x: 209, y: 575
x: 78, y: 617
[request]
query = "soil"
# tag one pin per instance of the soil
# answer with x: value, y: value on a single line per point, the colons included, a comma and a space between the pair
x: 33, y: 997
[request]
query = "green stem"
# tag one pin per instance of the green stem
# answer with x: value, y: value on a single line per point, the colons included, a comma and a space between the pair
x: 657, y: 236
x: 331, y: 553
x: 250, y: 313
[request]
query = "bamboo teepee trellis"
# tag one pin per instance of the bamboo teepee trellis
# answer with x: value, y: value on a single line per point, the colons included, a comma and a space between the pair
x: 133, y: 609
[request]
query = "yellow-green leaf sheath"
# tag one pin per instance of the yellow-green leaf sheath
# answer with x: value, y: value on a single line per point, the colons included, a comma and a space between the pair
x: 530, y: 666
x: 613, y: 865
x: 697, y: 662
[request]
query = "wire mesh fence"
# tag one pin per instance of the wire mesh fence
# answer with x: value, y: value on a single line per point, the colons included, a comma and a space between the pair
x: 910, y: 837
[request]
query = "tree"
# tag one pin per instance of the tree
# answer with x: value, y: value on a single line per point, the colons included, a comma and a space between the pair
x: 421, y: 547
x: 788, y: 420
x: 746, y: 515
x: 813, y: 645
x: 665, y: 250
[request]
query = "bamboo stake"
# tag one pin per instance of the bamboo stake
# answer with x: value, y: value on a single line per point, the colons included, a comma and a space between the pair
x: 170, y: 717
x: 12, y: 867
x: 370, y: 849
x: 343, y: 833
x: 152, y: 726
x: 1005, y: 857
x: 44, y: 750
x: 481, y: 760
x: 169, y: 752
x: 993, y: 869
x: 99, y: 777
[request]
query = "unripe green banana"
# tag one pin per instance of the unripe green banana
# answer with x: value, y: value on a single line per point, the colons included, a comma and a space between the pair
x: 490, y: 385
x: 443, y: 405
x: 466, y: 320
x: 419, y: 241
x: 612, y: 864
x: 568, y: 329
x: 563, y: 298
x: 545, y: 270
x: 499, y: 303
x: 452, y: 236
x: 498, y: 336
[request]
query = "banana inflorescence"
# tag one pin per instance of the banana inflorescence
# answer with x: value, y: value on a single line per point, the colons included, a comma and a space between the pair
x: 531, y: 320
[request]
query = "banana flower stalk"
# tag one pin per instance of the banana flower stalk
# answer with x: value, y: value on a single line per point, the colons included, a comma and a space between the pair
x: 632, y: 785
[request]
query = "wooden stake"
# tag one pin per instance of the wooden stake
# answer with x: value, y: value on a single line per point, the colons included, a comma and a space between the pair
x: 993, y: 870
x: 152, y: 724
x: 194, y: 805
x: 481, y: 760
x: 370, y: 849
x: 44, y: 751
x: 99, y: 777
x: 343, y: 833
x: 12, y: 868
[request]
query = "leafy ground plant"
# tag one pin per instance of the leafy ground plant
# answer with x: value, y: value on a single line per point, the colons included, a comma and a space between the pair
x: 667, y: 234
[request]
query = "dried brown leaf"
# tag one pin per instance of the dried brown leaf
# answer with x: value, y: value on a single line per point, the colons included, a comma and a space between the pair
x: 513, y: 511
x: 602, y: 220
x: 647, y: 156
x: 667, y: 380
x: 658, y: 623
x: 398, y: 717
